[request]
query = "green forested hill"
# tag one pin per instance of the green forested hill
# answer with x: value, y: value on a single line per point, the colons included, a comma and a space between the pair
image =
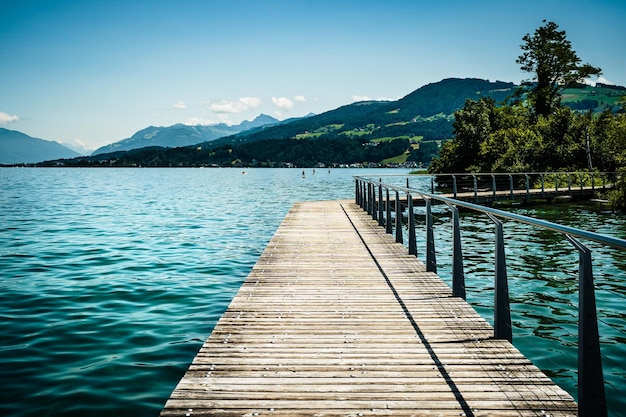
x: 426, y: 114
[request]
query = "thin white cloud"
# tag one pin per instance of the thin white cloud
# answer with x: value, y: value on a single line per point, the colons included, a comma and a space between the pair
x: 227, y: 107
x: 238, y: 106
x: 600, y: 79
x: 251, y: 102
x: 367, y: 98
x: 7, y: 118
x: 300, y: 99
x: 194, y: 121
x: 180, y: 105
x: 282, y: 103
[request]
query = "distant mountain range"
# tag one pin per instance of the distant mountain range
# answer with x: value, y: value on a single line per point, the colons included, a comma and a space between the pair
x: 183, y: 135
x: 19, y: 148
x: 425, y: 115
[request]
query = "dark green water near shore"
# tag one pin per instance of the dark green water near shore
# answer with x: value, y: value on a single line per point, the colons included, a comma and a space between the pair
x: 111, y: 279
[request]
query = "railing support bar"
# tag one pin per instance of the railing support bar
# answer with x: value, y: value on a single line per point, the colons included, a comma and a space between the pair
x: 502, y: 308
x: 569, y: 183
x: 454, y: 185
x: 593, y: 182
x: 411, y: 219
x: 582, y: 184
x: 373, y: 201
x: 475, y: 189
x: 381, y: 219
x: 388, y: 224
x: 527, y: 188
x: 363, y: 195
x: 431, y: 256
x: 556, y: 183
x: 458, y: 276
x: 591, y: 396
x: 399, y: 238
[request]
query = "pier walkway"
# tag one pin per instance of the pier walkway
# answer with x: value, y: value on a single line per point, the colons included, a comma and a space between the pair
x: 336, y: 319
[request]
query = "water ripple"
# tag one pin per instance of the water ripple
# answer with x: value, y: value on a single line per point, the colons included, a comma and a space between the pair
x: 112, y: 279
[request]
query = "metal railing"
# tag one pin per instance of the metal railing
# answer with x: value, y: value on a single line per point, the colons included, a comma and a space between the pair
x: 493, y: 187
x: 374, y: 196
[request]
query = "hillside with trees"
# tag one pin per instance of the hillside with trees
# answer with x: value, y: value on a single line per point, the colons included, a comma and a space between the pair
x: 536, y: 131
x: 425, y: 114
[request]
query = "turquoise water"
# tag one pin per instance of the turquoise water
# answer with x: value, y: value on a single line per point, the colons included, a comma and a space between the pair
x: 111, y: 279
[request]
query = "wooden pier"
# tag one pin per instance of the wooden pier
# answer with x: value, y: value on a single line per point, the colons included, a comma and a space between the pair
x: 336, y: 319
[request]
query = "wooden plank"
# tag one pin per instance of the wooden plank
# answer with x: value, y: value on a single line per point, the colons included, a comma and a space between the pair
x: 336, y: 319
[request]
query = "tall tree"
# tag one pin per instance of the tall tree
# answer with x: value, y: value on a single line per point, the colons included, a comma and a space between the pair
x: 550, y: 57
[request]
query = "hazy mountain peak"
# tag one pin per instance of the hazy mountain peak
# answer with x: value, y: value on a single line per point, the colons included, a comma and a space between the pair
x: 179, y: 135
x: 19, y: 148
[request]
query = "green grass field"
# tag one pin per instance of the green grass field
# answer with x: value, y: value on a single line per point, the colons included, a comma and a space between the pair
x: 605, y: 97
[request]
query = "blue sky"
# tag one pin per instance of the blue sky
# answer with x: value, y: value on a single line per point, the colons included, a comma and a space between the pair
x: 94, y: 72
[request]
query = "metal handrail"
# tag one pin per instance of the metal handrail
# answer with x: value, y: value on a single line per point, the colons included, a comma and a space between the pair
x: 488, y: 182
x: 590, y: 378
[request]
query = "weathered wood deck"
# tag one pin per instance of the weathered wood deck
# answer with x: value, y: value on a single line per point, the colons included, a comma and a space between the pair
x: 336, y: 319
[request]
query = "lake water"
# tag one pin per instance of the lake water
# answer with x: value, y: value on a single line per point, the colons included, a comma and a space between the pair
x: 111, y: 279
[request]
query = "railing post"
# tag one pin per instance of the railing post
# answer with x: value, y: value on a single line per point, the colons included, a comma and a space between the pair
x: 454, y: 185
x: 582, y: 184
x: 432, y: 185
x: 502, y: 308
x: 431, y: 256
x: 362, y: 194
x: 527, y: 188
x: 458, y: 276
x: 399, y: 238
x: 381, y: 219
x: 511, y: 196
x: 356, y: 192
x: 373, y: 201
x: 556, y: 183
x: 493, y: 187
x: 375, y: 205
x: 591, y: 396
x: 542, y: 186
x: 411, y: 219
x: 569, y: 183
x: 370, y: 199
x: 475, y: 189
x: 593, y: 182
x: 388, y: 225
